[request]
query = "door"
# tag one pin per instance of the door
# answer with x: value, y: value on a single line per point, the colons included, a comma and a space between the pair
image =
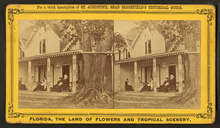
x: 42, y: 72
x: 65, y: 70
x: 172, y: 71
x: 148, y: 73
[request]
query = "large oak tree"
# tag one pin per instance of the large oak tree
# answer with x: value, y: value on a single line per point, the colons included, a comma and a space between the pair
x: 189, y: 34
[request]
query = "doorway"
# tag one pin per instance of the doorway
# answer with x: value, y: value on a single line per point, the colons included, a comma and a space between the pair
x: 172, y: 71
x: 65, y: 70
x: 148, y: 73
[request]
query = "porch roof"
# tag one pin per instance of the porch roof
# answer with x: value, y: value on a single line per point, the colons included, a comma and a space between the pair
x: 48, y: 55
x: 151, y: 56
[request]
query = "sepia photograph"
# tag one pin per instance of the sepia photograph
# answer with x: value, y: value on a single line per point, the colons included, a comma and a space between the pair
x: 157, y: 64
x: 65, y: 64
x: 72, y: 61
x: 127, y: 64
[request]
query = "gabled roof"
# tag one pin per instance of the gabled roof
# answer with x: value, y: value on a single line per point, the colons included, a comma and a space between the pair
x: 134, y: 33
x: 26, y: 35
x: 131, y: 35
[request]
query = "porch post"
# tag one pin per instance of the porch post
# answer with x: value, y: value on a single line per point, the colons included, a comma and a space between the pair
x: 29, y: 75
x: 180, y: 72
x: 135, y: 75
x: 48, y: 74
x: 154, y: 74
x: 112, y: 60
x: 118, y: 75
x: 74, y: 73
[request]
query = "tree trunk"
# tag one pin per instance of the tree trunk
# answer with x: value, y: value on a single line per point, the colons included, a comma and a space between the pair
x: 92, y: 74
x: 191, y: 95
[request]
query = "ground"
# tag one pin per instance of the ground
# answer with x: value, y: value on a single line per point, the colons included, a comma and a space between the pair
x: 44, y: 100
x: 38, y: 100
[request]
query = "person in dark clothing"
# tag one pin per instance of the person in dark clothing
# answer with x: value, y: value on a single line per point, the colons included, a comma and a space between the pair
x: 65, y: 82
x: 58, y: 86
x: 127, y: 86
x: 169, y: 83
x: 21, y: 86
x: 172, y: 82
x: 163, y: 88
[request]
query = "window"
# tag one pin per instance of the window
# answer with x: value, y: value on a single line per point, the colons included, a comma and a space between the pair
x: 119, y: 53
x: 42, y: 46
x: 149, y: 46
x: 41, y: 71
x: 146, y: 47
x: 125, y: 54
x: 23, y: 54
x: 36, y: 74
x: 147, y: 74
x: 129, y: 55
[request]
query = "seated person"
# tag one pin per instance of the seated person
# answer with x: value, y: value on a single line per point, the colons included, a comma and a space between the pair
x: 42, y: 86
x: 127, y: 86
x: 164, y: 87
x: 168, y: 83
x: 21, y: 86
x: 65, y: 82
x: 58, y: 86
x: 148, y: 86
x: 172, y: 82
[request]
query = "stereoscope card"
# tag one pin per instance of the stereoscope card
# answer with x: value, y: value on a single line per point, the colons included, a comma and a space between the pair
x: 110, y: 64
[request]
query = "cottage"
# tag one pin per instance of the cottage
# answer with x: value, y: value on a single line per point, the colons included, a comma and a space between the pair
x: 147, y: 55
x: 46, y: 53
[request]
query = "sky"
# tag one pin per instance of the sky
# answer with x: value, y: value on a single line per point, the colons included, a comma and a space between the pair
x: 123, y: 26
x: 22, y: 24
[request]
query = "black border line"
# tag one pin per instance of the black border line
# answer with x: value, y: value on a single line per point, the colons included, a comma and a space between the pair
x: 208, y: 12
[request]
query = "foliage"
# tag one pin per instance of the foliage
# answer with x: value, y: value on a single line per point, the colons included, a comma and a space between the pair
x: 95, y: 28
x: 42, y: 23
x: 174, y: 29
x: 65, y: 24
x: 119, y: 40
x: 179, y: 29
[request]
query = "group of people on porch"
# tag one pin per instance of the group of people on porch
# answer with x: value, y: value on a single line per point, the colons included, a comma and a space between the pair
x: 149, y: 86
x: 42, y: 86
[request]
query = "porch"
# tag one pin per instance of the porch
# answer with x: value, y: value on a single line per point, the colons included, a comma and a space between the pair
x: 155, y: 66
x: 51, y: 66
